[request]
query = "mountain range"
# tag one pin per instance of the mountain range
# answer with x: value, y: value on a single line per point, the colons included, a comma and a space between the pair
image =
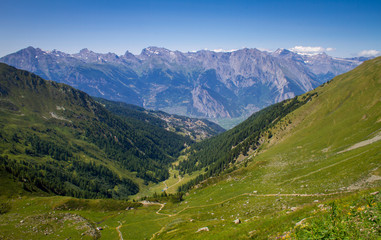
x: 208, y: 84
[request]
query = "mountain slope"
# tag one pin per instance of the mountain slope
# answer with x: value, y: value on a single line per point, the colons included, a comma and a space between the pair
x: 341, y: 95
x: 196, y: 129
x: 202, y: 84
x: 239, y: 141
x: 58, y: 139
x: 327, y: 148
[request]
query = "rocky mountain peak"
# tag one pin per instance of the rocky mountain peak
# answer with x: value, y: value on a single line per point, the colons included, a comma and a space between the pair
x: 321, y: 56
x: 151, y: 51
x: 90, y: 56
x: 128, y: 54
x: 201, y: 84
x: 32, y: 51
x: 84, y: 52
x: 282, y: 52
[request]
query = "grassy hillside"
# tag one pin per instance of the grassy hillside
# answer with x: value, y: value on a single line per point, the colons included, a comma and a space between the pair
x: 326, y: 149
x: 59, y: 140
x: 322, y: 160
x: 218, y: 154
x: 316, y: 176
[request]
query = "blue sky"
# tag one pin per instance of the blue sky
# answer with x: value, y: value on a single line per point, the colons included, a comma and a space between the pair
x: 342, y: 28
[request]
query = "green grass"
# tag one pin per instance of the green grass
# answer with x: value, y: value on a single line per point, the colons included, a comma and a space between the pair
x: 357, y: 217
x: 170, y: 185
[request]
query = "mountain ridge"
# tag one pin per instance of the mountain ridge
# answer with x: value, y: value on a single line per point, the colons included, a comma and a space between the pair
x: 62, y: 141
x: 205, y: 84
x: 196, y: 129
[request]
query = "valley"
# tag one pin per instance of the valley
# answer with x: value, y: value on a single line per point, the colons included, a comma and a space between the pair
x: 307, y: 167
x: 182, y: 120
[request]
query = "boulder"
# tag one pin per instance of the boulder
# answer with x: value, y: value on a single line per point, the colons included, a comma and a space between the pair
x: 206, y: 229
x: 237, y: 221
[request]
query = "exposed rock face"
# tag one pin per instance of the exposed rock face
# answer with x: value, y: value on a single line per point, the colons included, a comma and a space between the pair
x: 203, y: 102
x: 200, y: 84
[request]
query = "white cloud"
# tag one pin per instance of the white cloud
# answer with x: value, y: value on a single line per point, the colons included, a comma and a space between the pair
x: 310, y: 50
x: 224, y: 50
x: 369, y: 53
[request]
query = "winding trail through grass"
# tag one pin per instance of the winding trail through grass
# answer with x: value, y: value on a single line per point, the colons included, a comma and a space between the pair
x: 363, y: 143
x: 320, y: 169
x: 157, y: 233
x: 168, y: 187
x: 119, y: 232
x: 240, y: 195
x: 245, y: 194
x: 180, y: 179
x: 147, y: 203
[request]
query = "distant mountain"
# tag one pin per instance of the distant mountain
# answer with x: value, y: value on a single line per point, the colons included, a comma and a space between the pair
x: 203, y: 84
x: 59, y: 140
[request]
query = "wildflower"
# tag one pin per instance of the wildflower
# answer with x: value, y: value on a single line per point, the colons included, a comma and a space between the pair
x: 360, y: 209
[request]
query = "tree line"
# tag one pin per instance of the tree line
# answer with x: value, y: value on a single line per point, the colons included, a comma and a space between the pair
x: 218, y: 153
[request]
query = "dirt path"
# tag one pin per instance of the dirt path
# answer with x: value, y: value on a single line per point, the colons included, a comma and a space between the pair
x: 161, y: 207
x: 147, y: 203
x: 157, y: 233
x: 168, y: 187
x: 119, y: 232
x: 251, y: 195
x: 240, y: 195
x: 180, y: 179
x: 363, y: 143
x: 320, y: 169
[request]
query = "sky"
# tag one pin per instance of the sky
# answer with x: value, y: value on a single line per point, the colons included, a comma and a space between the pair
x: 342, y: 28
